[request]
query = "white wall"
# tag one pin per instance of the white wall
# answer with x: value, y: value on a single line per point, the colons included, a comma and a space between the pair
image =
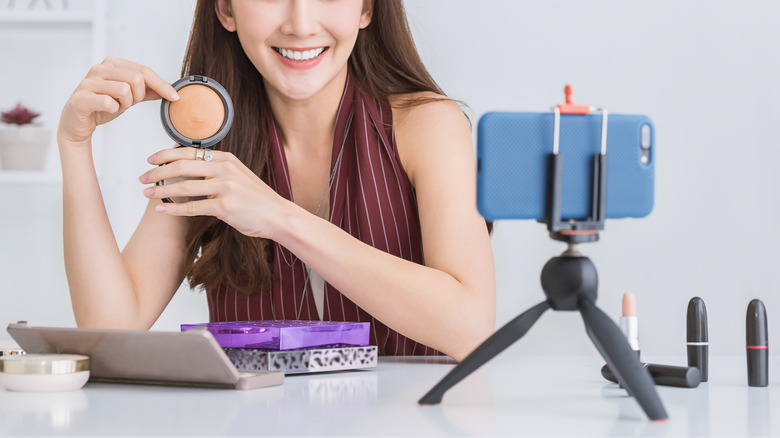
x: 705, y: 72
x: 149, y: 32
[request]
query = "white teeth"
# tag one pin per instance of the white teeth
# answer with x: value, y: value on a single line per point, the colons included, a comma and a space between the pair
x: 300, y: 56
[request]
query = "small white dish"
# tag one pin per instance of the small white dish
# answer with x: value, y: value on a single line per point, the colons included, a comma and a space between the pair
x: 44, y: 372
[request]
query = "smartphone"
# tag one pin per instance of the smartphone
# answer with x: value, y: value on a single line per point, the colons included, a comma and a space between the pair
x: 513, y: 157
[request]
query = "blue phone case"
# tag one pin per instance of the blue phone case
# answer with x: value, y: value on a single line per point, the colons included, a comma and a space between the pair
x: 512, y: 164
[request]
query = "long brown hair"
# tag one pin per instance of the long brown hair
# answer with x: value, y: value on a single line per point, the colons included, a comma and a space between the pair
x: 384, y: 63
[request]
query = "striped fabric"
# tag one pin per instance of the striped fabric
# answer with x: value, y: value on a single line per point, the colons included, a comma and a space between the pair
x: 371, y: 198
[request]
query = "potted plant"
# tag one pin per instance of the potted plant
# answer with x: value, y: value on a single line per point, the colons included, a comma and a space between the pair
x: 23, y: 144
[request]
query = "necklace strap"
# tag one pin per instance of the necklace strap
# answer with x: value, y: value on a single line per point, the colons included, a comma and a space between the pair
x: 335, y: 165
x: 331, y: 179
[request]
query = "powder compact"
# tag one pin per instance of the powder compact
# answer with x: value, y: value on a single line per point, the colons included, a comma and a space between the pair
x: 200, y: 118
x: 44, y: 372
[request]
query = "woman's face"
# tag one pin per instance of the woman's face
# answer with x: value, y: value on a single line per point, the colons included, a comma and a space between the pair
x: 299, y: 46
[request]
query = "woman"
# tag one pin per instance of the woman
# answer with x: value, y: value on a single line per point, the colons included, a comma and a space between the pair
x: 345, y: 164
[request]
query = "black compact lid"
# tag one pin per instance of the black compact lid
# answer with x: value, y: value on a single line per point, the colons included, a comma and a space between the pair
x: 226, y: 124
x: 756, y: 324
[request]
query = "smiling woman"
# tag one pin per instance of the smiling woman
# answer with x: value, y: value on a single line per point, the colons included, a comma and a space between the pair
x: 344, y: 191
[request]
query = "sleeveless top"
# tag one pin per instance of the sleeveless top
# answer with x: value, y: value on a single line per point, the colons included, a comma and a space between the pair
x: 371, y: 198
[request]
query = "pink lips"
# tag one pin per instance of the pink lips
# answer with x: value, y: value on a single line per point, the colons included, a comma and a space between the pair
x: 302, y: 65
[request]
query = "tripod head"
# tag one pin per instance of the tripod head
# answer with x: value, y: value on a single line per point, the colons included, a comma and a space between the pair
x: 569, y: 278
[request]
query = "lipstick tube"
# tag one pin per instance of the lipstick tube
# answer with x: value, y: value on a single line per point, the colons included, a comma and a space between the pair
x: 629, y: 322
x: 664, y: 375
x: 757, y: 344
x: 697, y: 340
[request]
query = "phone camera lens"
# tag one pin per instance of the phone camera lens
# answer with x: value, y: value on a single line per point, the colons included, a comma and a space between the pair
x: 646, y: 136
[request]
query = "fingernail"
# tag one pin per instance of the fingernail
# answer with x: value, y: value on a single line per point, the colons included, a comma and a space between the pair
x: 173, y: 96
x: 160, y: 208
x: 149, y: 191
x: 151, y: 159
x: 143, y: 178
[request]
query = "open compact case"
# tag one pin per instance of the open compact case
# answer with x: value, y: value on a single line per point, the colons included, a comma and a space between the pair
x: 200, y: 118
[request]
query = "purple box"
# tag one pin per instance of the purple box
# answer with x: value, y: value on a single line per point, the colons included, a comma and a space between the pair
x: 285, y: 334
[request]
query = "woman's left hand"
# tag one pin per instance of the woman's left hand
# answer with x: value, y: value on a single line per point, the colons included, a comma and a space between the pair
x: 234, y: 194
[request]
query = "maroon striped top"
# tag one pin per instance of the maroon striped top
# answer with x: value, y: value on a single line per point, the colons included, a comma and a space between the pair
x: 371, y: 198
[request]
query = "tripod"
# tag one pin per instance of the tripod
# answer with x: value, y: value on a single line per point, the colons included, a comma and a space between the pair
x: 570, y: 282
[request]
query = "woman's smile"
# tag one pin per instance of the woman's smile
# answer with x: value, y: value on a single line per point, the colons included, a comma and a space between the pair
x: 300, y: 58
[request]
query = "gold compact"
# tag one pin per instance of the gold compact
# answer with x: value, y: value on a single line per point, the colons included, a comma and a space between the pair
x: 44, y: 372
x: 200, y: 118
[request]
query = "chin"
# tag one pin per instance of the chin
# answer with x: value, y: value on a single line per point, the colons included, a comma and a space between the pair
x: 300, y: 88
x: 301, y: 93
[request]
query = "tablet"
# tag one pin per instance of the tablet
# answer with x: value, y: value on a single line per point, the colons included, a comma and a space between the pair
x: 191, y: 358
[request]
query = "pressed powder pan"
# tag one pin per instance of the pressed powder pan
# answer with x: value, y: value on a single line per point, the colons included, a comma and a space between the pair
x: 200, y: 118
x: 198, y: 114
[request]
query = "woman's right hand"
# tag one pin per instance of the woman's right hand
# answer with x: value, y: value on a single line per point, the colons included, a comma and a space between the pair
x: 108, y: 90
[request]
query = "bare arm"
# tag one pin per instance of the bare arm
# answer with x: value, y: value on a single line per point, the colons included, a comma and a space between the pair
x: 109, y: 289
x: 449, y: 303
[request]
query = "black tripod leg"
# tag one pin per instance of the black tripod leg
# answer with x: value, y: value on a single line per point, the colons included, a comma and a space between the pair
x: 623, y: 362
x: 498, y: 342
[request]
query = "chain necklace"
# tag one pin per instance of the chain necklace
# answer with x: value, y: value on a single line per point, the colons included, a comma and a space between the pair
x: 316, y: 213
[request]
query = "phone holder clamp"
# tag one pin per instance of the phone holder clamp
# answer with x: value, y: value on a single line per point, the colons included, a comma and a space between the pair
x: 576, y: 230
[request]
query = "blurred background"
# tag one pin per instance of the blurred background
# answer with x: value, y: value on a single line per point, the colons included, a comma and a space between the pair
x: 705, y: 71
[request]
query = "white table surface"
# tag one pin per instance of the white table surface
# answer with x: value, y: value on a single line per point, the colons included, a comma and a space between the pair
x: 512, y: 395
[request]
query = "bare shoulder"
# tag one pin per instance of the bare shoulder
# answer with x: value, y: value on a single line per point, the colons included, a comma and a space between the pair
x: 415, y: 109
x: 430, y: 128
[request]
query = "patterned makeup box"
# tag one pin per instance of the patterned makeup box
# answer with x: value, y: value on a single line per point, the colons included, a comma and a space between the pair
x: 310, y: 360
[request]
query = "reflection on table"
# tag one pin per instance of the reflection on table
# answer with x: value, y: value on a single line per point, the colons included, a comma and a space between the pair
x: 511, y: 395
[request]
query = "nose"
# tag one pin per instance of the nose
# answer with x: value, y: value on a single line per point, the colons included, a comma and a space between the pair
x: 302, y: 19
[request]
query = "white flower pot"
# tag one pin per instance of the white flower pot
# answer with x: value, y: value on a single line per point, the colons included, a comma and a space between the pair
x: 23, y: 147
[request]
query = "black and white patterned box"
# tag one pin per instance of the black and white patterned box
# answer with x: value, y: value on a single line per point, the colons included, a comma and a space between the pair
x: 309, y: 360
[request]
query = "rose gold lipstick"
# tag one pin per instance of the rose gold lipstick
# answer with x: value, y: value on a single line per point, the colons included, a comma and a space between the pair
x: 629, y: 322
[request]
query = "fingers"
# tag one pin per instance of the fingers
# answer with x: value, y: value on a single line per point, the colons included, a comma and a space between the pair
x: 141, y: 83
x: 183, y: 189
x: 91, y: 102
x: 131, y: 83
x: 147, y: 84
x: 204, y: 207
x: 223, y: 162
x: 119, y: 92
x: 109, y: 89
x: 182, y: 162
x: 188, y: 153
x: 180, y: 168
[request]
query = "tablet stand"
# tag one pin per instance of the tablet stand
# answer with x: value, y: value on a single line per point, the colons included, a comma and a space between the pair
x: 570, y: 282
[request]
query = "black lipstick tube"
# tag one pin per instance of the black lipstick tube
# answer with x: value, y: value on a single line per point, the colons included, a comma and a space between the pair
x: 698, y: 342
x: 757, y: 344
x: 664, y: 375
